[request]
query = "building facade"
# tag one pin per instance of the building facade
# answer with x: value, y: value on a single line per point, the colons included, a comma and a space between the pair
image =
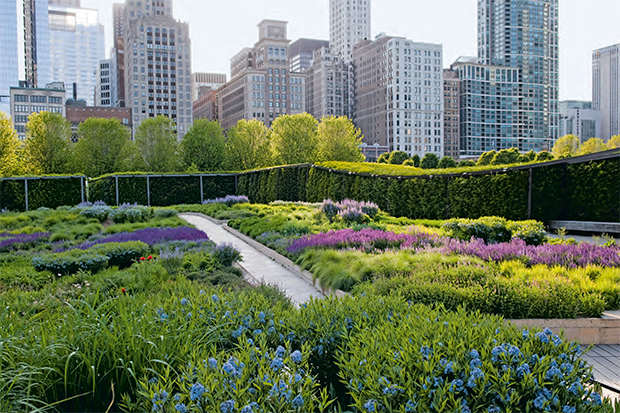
x: 301, y: 53
x: 328, y: 85
x: 77, y: 45
x: 399, y: 91
x: 28, y: 100
x: 9, y: 53
x: 118, y: 51
x: 490, y: 111
x: 452, y: 114
x: 78, y: 114
x: 606, y: 89
x: 349, y: 24
x: 262, y: 86
x: 106, y: 93
x: 211, y: 80
x: 157, y: 51
x: 36, y: 42
x: 579, y: 119
x: 205, y: 107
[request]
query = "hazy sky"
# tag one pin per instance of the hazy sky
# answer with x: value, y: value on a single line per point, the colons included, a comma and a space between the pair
x: 220, y: 28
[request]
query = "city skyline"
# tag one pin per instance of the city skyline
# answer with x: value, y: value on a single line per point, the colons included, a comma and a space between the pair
x: 585, y: 25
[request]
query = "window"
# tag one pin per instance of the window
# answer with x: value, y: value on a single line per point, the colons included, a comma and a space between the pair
x: 21, y: 98
x: 38, y: 99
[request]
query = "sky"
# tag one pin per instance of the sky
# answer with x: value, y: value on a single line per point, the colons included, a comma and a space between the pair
x: 221, y: 28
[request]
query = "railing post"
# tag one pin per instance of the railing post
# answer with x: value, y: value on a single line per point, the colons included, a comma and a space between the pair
x: 82, y: 185
x: 116, y: 179
x: 202, y: 191
x: 236, y: 184
x: 529, y: 194
x: 148, y: 190
x: 26, y: 191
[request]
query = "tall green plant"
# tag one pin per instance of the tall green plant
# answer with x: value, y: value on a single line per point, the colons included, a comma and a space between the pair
x: 156, y: 139
x: 10, y: 162
x: 48, y: 143
x: 203, y: 146
x: 339, y: 140
x: 248, y: 146
x: 294, y: 139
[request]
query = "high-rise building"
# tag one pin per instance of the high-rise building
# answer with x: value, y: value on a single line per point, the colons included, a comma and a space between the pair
x: 118, y: 51
x: 301, y: 53
x: 107, y: 84
x: 26, y: 100
x: 205, y: 107
x: 210, y: 80
x: 349, y: 24
x: 579, y: 119
x: 262, y: 86
x: 24, y: 46
x: 606, y: 89
x: 399, y: 90
x: 157, y: 51
x: 489, y: 107
x: 452, y: 114
x: 328, y: 85
x: 523, y: 34
x: 77, y: 45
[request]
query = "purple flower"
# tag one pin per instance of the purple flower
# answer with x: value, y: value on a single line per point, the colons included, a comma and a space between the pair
x: 228, y: 200
x: 20, y: 241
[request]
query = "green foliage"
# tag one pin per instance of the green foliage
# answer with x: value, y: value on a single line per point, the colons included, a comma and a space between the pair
x: 430, y: 161
x: 466, y: 164
x: 203, y: 146
x: 103, y: 147
x: 248, y: 146
x: 10, y: 162
x: 339, y: 140
x: 121, y: 255
x: 49, y: 192
x: 506, y: 157
x: 294, y: 139
x: 496, y: 230
x: 592, y: 146
x: 135, y: 214
x: 383, y: 158
x: 544, y: 156
x: 447, y: 162
x: 614, y: 142
x: 566, y: 146
x: 70, y: 262
x: 156, y: 140
x: 98, y: 212
x: 486, y: 158
x: 397, y: 158
x: 48, y: 143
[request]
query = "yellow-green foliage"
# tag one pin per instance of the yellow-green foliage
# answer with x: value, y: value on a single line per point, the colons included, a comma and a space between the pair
x: 10, y: 162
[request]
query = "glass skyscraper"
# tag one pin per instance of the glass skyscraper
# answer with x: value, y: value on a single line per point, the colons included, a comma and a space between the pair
x: 9, y: 60
x: 76, y: 48
x: 523, y: 34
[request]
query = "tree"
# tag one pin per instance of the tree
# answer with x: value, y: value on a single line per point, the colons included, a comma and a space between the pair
x: 294, y: 139
x: 567, y: 146
x: 544, y: 156
x: 48, y: 143
x: 506, y: 157
x: 486, y: 158
x: 248, y: 146
x: 384, y: 158
x: 614, y: 142
x: 416, y: 160
x: 409, y: 162
x: 398, y: 158
x: 339, y: 140
x: 592, y: 146
x: 10, y: 162
x: 203, y: 147
x: 446, y: 162
x: 104, y: 147
x: 430, y: 161
x: 466, y: 164
x: 527, y: 157
x: 156, y: 139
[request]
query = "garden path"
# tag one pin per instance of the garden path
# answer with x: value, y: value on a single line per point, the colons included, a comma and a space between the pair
x: 259, y: 266
x: 605, y: 361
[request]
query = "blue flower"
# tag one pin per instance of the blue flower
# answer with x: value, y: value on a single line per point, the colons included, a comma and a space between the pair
x: 320, y: 350
x: 276, y: 364
x: 474, y: 354
x: 523, y: 369
x: 215, y: 298
x: 280, y: 351
x: 569, y: 409
x: 543, y: 338
x: 411, y: 406
x: 475, y: 375
x: 261, y: 317
x: 250, y: 342
x: 553, y: 372
x: 180, y: 408
x: 297, y: 402
x: 514, y: 351
x: 456, y: 386
x: 228, y: 406
x: 197, y: 391
x: 596, y: 399
x: 449, y: 369
x: 296, y: 356
x: 249, y: 408
x: 202, y: 292
x: 464, y: 407
x: 426, y: 351
x: 213, y: 363
x: 576, y: 388
x: 257, y: 332
x: 556, y: 340
x: 475, y: 363
x: 567, y: 368
x: 371, y: 406
x: 229, y: 368
x: 539, y: 402
x: 177, y: 397
x: 153, y: 380
x: 525, y: 334
x: 493, y: 409
x: 184, y: 301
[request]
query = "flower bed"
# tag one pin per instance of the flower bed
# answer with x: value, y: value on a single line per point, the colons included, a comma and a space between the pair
x: 149, y: 236
x: 10, y: 242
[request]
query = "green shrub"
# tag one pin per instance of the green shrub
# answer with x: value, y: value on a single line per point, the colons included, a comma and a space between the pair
x: 130, y: 214
x: 98, y: 212
x: 490, y: 229
x: 160, y: 213
x: 532, y: 232
x: 121, y: 255
x: 70, y: 262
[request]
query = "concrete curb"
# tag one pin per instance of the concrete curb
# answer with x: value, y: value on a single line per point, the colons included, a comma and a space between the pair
x: 586, y: 331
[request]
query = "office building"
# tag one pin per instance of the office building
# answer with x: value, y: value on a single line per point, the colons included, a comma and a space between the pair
x: 523, y: 35
x: 349, y: 24
x: 211, y: 80
x: 118, y: 52
x: 301, y: 53
x: 490, y: 117
x: 24, y: 46
x: 606, y: 89
x: 78, y: 114
x: 107, y: 84
x: 28, y: 100
x: 157, y: 51
x: 399, y: 90
x: 328, y: 85
x: 76, y: 46
x: 262, y: 86
x: 205, y: 107
x: 579, y: 119
x: 452, y: 114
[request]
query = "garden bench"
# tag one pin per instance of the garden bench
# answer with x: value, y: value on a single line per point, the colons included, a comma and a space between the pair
x: 584, y: 226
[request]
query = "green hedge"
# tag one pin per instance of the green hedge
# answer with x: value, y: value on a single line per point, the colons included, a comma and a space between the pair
x: 48, y: 192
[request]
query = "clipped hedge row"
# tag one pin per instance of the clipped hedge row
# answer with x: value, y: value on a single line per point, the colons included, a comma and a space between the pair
x: 47, y: 192
x: 278, y: 184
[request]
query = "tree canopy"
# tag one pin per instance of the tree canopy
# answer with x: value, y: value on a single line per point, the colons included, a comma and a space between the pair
x: 566, y: 146
x: 339, y: 140
x: 156, y: 139
x: 203, y: 147
x: 614, y: 142
x: 248, y: 146
x: 10, y: 163
x: 294, y: 139
x: 592, y: 146
x: 446, y: 162
x: 430, y: 161
x: 48, y: 143
x: 398, y: 158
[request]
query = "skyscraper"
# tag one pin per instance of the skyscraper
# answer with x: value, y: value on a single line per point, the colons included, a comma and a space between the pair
x: 606, y: 89
x: 77, y: 45
x: 9, y: 53
x: 157, y: 53
x: 36, y: 43
x: 119, y: 52
x: 524, y: 34
x: 349, y: 24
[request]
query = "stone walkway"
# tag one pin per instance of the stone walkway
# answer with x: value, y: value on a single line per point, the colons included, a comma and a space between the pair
x: 260, y: 267
x: 605, y: 361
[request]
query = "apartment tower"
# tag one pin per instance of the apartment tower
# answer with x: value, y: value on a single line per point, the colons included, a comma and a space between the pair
x: 349, y: 24
x: 606, y: 89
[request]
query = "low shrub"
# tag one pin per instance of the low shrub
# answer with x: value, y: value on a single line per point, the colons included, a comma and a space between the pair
x: 496, y: 230
x: 161, y: 213
x: 121, y: 255
x: 229, y: 200
x: 98, y: 212
x: 171, y: 260
x: 226, y: 255
x: 9, y: 242
x: 70, y: 262
x: 131, y: 214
